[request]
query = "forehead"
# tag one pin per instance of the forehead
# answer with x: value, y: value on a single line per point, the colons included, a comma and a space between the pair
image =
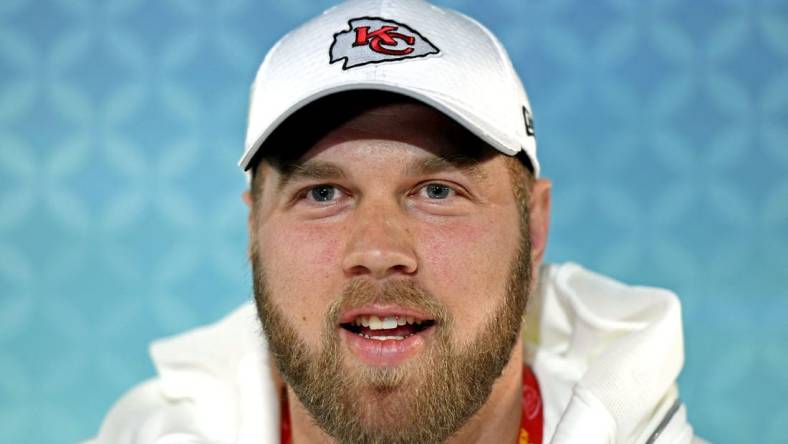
x: 410, y: 125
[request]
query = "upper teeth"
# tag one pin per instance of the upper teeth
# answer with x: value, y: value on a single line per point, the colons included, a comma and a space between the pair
x: 388, y: 322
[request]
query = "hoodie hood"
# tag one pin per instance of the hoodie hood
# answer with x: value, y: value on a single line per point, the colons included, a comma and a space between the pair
x: 607, y: 356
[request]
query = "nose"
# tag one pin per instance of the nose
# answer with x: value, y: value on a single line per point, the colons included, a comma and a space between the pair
x: 379, y: 243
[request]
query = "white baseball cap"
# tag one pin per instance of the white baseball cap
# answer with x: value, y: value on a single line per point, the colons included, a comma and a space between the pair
x: 410, y: 47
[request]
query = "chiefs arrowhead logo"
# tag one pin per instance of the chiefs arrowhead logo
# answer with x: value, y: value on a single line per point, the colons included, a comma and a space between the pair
x: 376, y: 40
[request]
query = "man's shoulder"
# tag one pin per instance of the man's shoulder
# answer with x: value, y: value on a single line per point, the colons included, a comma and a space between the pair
x: 607, y: 356
x: 211, y: 386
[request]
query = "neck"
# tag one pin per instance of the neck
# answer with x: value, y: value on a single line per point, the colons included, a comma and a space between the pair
x: 303, y: 428
x: 498, y: 420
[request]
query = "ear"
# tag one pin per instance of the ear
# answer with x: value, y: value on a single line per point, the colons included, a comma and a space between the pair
x: 246, y: 196
x: 539, y: 222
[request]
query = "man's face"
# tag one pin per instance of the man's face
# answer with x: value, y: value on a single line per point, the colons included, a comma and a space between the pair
x: 390, y: 282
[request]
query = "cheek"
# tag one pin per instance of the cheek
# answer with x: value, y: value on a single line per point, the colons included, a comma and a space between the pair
x: 299, y: 260
x: 467, y: 265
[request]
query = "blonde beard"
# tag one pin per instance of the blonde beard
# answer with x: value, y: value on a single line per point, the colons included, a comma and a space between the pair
x: 426, y: 400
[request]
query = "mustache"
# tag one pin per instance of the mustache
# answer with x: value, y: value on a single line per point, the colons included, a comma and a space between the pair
x: 405, y: 293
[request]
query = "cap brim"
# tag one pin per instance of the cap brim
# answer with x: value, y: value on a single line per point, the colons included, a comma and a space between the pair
x: 443, y: 104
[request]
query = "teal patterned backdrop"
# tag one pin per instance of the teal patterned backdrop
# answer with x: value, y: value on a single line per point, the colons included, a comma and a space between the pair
x: 663, y: 124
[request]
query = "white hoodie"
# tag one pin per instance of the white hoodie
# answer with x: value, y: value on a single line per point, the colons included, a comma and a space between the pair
x: 606, y: 357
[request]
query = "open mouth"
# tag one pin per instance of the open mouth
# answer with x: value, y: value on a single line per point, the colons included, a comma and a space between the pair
x: 385, y: 328
x: 386, y: 336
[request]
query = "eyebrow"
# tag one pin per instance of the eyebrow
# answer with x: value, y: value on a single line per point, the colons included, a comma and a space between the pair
x: 310, y: 169
x: 434, y: 164
x: 321, y: 170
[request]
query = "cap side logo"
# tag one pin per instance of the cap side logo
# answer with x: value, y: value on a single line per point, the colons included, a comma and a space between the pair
x: 529, y: 122
x: 377, y: 40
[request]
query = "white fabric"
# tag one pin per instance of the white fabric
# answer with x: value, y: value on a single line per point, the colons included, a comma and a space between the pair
x: 606, y: 357
x: 471, y: 78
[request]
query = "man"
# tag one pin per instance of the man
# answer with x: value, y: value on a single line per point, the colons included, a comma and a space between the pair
x: 397, y: 227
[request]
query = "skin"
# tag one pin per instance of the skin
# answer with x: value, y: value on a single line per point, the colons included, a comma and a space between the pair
x: 382, y: 224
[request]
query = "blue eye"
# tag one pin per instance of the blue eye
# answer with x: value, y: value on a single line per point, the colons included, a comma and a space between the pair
x: 437, y: 191
x: 322, y: 193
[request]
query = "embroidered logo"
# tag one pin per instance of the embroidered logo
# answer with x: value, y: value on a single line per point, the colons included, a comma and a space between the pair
x: 376, y: 40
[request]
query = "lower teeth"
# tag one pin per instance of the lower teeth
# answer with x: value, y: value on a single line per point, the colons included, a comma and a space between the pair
x: 384, y: 338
